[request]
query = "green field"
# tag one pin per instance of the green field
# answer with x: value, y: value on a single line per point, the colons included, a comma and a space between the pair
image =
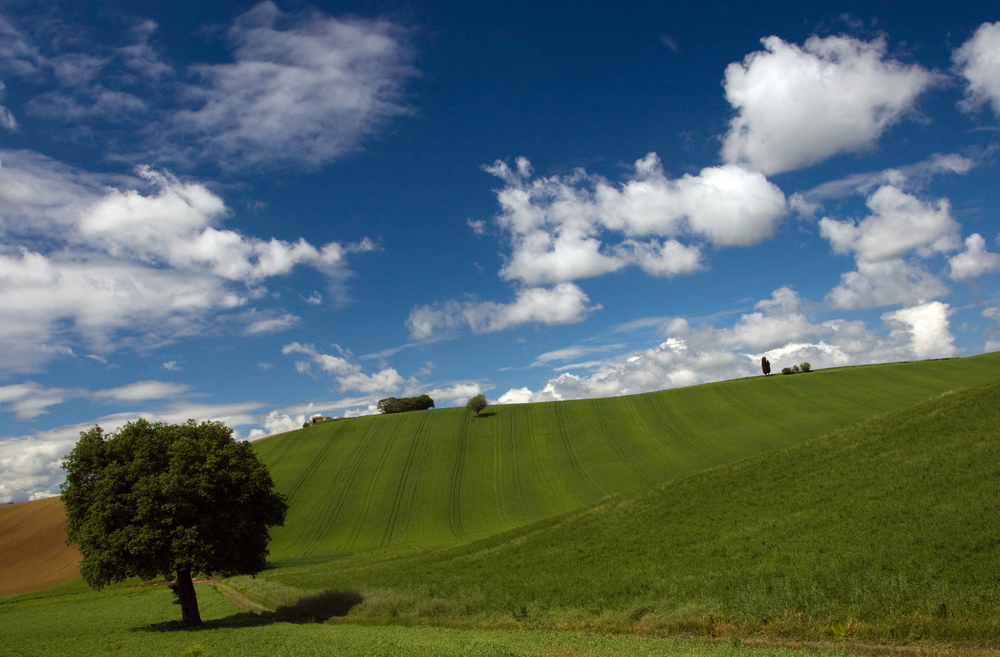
x: 843, y: 508
x: 396, y: 483
x: 139, y: 622
x: 883, y: 532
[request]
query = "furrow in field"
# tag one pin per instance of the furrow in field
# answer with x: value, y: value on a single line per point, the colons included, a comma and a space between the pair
x: 307, y: 474
x: 616, y: 437
x: 341, y: 486
x: 371, y: 491
x: 573, y: 457
x: 455, y: 492
x: 402, y: 505
x: 537, y: 460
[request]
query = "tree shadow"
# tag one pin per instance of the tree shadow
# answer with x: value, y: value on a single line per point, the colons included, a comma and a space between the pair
x: 486, y: 414
x: 322, y: 606
x: 310, y: 609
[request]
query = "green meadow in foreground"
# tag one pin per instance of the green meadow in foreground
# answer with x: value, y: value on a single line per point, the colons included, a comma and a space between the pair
x: 885, y: 531
x: 410, y: 481
x: 137, y: 622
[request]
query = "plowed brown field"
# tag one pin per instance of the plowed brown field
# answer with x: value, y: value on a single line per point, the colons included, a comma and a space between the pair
x: 33, y: 550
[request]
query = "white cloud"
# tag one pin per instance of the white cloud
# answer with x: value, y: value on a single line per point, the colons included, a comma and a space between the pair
x: 516, y: 396
x: 172, y: 366
x: 929, y: 329
x: 302, y: 89
x: 899, y: 222
x: 573, y: 353
x: 885, y: 283
x: 799, y: 105
x: 348, y: 374
x: 557, y: 225
x: 912, y: 177
x: 564, y: 303
x: 371, y: 409
x: 975, y: 260
x: 272, y: 324
x: 29, y: 400
x: 978, y: 61
x: 92, y: 258
x: 778, y: 329
x: 457, y: 393
x: 142, y: 391
x: 7, y: 119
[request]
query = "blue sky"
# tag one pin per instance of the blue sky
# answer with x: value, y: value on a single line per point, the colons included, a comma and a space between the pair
x: 257, y: 212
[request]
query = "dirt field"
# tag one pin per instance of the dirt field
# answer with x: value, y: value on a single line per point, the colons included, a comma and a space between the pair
x: 33, y: 550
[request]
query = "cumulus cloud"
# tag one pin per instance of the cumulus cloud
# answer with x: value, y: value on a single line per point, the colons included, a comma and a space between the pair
x: 128, y: 261
x: 304, y: 88
x: 899, y: 222
x: 978, y: 61
x: 975, y: 260
x: 778, y: 328
x: 564, y: 303
x: 928, y: 329
x: 885, y: 283
x: 797, y: 105
x: 558, y: 226
x: 458, y: 393
x: 347, y: 373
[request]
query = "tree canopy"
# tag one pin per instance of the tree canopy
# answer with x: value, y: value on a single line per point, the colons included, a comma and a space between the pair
x: 404, y: 404
x: 169, y: 499
x: 477, y: 404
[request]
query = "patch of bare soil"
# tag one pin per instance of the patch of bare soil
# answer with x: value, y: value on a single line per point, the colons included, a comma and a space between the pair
x: 33, y: 550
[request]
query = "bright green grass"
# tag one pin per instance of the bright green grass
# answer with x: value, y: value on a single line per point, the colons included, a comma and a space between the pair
x: 140, y: 622
x: 886, y: 531
x: 442, y: 477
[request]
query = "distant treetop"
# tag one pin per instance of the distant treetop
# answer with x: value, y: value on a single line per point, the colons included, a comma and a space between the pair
x: 404, y: 404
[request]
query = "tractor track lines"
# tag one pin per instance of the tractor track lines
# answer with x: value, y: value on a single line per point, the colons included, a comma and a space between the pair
x: 417, y: 445
x: 455, y: 491
x: 574, y: 459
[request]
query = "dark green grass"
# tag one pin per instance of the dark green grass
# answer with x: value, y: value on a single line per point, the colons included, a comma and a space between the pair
x: 886, y: 531
x: 141, y: 622
x: 436, y: 478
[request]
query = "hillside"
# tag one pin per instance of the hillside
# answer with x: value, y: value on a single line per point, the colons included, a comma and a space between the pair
x: 33, y: 550
x: 441, y: 477
x: 391, y: 484
x: 884, y: 531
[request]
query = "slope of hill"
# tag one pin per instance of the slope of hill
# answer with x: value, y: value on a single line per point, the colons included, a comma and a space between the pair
x: 33, y: 550
x: 884, y: 531
x: 436, y: 478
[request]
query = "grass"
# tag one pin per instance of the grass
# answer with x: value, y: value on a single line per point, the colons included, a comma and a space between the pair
x: 721, y: 512
x: 138, y: 622
x: 882, y: 532
x: 428, y: 479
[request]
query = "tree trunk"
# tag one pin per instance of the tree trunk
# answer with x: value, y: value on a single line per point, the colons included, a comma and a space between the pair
x: 189, y: 601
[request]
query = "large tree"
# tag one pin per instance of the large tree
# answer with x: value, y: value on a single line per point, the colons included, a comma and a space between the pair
x: 175, y: 500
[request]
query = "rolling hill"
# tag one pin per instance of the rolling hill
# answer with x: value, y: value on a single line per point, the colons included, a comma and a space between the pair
x: 395, y: 483
x: 883, y: 532
x: 386, y: 485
